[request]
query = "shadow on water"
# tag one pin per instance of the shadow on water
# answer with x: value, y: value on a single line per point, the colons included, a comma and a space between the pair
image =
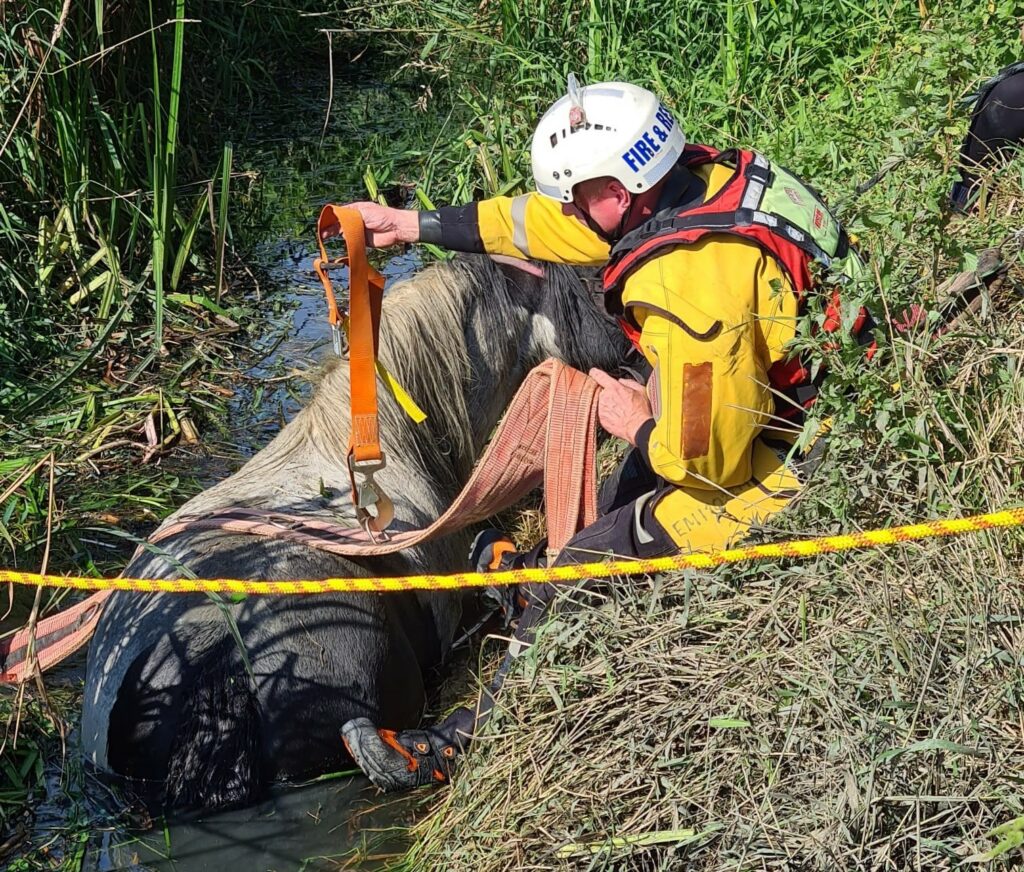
x: 342, y: 823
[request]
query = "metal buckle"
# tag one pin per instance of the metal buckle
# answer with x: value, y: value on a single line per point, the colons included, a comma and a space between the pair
x: 367, y: 495
x: 339, y: 339
x: 372, y: 504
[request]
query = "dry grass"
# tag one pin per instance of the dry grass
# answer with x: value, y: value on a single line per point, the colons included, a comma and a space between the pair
x: 782, y: 715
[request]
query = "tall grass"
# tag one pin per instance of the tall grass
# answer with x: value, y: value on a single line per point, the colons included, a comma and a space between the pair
x: 733, y: 71
x: 163, y: 163
x: 112, y: 126
x: 98, y: 102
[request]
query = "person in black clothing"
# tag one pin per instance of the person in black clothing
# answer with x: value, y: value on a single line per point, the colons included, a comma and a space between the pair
x: 996, y: 131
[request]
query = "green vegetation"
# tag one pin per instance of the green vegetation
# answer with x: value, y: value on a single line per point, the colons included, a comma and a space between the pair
x: 121, y: 288
x: 114, y: 228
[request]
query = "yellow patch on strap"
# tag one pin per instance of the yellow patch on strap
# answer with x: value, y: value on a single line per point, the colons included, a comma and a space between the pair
x: 400, y: 394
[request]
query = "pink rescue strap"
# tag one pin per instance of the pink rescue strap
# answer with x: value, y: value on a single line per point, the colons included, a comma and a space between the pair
x: 547, y: 435
x: 57, y: 638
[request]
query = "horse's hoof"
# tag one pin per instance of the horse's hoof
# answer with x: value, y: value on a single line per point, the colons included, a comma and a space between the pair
x: 398, y: 761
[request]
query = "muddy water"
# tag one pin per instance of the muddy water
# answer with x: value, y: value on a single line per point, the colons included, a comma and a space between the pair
x: 340, y: 821
x: 321, y: 825
x: 345, y: 824
x: 343, y: 821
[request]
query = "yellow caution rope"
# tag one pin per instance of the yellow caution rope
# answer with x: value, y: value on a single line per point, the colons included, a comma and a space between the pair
x: 798, y: 548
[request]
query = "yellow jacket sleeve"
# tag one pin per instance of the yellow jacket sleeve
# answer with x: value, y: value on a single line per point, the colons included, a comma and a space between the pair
x: 536, y: 227
x: 713, y: 318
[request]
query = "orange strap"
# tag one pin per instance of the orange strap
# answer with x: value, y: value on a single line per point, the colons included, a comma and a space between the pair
x: 366, y: 291
x: 547, y: 436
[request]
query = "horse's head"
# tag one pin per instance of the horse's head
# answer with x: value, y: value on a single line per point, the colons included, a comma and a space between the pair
x: 568, y: 319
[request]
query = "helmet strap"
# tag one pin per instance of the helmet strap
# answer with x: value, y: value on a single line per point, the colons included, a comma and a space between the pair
x: 621, y: 229
x: 615, y: 235
x: 593, y: 225
x: 681, y: 188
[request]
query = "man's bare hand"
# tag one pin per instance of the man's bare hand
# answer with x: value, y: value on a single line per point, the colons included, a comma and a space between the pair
x: 622, y: 407
x: 386, y: 226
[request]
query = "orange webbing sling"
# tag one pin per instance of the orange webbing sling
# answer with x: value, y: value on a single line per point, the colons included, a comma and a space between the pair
x: 56, y: 638
x: 366, y: 292
x: 547, y: 435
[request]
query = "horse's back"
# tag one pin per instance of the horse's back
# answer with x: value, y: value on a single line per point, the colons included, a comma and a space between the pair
x: 183, y: 689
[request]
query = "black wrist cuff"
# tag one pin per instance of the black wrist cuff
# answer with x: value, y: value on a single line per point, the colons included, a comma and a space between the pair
x: 430, y: 227
x: 460, y: 229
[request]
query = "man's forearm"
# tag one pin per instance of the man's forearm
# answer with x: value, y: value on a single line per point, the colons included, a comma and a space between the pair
x: 407, y: 225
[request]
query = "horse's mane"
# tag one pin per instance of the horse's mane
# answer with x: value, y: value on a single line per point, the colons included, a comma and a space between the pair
x: 432, y: 340
x: 422, y: 344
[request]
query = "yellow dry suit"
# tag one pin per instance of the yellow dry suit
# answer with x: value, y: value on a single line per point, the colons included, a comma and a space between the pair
x: 712, y: 318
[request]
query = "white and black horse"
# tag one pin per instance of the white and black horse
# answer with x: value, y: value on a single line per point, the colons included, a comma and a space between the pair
x: 175, y: 699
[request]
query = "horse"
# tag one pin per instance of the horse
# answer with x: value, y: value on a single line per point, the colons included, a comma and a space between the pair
x: 208, y: 701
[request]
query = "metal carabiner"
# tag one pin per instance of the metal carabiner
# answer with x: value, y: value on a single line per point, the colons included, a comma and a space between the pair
x: 338, y: 340
x: 374, y: 508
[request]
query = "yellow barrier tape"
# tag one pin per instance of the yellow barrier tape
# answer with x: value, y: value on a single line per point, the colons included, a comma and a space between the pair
x: 798, y: 548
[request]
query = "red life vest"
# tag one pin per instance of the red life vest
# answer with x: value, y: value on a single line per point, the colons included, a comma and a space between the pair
x: 742, y: 207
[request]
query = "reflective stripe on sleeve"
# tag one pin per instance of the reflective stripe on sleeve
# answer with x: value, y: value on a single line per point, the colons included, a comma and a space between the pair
x: 518, y: 215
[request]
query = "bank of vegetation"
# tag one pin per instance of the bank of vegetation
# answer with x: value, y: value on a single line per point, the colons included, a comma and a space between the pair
x: 118, y: 261
x: 844, y: 713
x: 122, y: 289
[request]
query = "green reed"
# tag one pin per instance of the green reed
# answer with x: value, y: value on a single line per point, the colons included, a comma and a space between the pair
x: 116, y: 215
x: 110, y: 128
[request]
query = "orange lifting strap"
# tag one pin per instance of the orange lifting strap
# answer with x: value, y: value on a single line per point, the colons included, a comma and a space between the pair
x: 366, y: 291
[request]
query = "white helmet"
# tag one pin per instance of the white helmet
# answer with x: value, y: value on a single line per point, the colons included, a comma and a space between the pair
x: 608, y: 129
